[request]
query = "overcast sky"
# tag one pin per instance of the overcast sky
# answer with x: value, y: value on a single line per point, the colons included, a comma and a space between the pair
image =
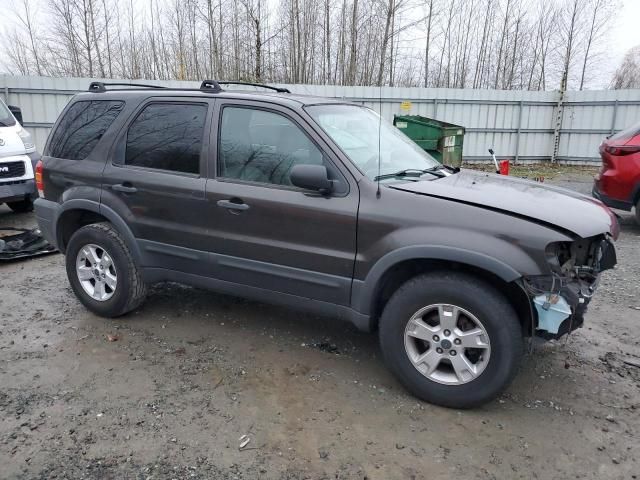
x: 625, y: 29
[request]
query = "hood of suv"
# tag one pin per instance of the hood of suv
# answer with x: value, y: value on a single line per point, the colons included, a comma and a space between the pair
x: 567, y: 210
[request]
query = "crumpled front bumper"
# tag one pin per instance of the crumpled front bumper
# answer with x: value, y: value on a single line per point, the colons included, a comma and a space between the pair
x: 560, y: 302
x: 552, y: 325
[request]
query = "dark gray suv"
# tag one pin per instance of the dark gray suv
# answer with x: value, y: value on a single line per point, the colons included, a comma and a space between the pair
x: 320, y: 205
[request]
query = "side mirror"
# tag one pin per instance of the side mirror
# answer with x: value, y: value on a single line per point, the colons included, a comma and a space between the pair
x: 16, y: 113
x: 311, y: 177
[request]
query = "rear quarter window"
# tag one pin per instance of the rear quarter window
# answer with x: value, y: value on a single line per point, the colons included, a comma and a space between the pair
x: 81, y: 127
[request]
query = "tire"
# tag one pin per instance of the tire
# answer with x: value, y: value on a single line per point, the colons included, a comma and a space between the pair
x: 100, y: 239
x: 22, y: 206
x: 638, y: 212
x: 477, y: 301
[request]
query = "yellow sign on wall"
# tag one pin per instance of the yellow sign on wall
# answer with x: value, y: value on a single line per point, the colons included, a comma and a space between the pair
x: 406, y: 105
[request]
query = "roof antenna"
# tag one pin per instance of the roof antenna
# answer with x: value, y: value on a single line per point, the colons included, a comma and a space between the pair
x: 379, y: 135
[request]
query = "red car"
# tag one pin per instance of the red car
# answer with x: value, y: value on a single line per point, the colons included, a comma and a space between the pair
x: 617, y: 184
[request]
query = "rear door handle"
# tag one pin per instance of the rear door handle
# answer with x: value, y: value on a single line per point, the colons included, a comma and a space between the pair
x: 233, y: 205
x: 119, y: 187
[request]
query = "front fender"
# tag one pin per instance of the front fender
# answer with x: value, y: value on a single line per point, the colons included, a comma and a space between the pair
x: 363, y: 292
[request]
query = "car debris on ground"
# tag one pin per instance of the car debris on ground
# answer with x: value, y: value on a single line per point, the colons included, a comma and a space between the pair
x: 26, y: 243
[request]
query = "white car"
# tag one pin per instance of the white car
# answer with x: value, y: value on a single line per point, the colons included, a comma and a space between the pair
x: 18, y: 158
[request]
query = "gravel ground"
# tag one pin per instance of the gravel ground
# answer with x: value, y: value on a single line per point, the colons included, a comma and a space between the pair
x: 170, y: 390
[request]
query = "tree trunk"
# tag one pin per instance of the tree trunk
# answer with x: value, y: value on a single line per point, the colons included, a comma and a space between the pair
x: 351, y: 76
x: 426, y: 49
x: 592, y: 29
x: 385, y: 39
x: 502, y: 39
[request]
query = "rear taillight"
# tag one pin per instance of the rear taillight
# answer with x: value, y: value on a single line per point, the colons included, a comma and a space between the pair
x: 38, y: 176
x: 622, y: 150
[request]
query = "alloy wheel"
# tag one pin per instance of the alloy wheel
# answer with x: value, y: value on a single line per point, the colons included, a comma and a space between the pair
x: 447, y: 344
x: 96, y: 272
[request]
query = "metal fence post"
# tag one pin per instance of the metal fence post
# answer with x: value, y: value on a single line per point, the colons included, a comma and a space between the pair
x: 558, y: 126
x: 613, y: 119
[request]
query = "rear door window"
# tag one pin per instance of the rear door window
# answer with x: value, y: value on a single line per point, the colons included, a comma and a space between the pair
x: 82, y: 126
x: 167, y: 136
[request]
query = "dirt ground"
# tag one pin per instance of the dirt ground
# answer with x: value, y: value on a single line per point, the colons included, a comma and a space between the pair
x: 191, y: 372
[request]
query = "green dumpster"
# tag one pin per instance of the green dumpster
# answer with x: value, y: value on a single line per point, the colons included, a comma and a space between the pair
x: 441, y: 140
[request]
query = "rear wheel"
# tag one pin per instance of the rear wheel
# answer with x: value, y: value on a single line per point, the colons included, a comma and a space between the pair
x: 102, y: 271
x: 21, y: 206
x: 451, y: 339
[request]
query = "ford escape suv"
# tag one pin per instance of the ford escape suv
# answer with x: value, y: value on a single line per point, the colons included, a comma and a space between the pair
x: 320, y: 205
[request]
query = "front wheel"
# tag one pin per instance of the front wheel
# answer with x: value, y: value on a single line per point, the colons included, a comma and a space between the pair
x: 451, y: 339
x: 102, y: 272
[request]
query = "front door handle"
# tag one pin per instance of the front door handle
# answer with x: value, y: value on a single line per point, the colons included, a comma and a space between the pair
x: 124, y: 188
x: 237, y: 206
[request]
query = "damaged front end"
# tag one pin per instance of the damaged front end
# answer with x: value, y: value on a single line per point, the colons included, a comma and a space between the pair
x: 560, y: 299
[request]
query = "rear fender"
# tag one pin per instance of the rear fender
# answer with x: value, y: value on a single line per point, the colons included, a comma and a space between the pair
x: 108, y: 213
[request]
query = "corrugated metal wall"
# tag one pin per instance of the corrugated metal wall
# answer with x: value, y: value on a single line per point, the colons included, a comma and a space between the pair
x: 517, y: 124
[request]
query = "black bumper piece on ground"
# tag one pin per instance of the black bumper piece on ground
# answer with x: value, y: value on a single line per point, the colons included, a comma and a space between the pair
x: 26, y: 243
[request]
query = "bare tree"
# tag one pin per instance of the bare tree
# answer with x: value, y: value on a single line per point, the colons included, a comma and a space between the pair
x: 429, y: 20
x: 26, y: 16
x: 598, y: 21
x: 570, y: 30
x: 536, y: 44
x: 628, y: 74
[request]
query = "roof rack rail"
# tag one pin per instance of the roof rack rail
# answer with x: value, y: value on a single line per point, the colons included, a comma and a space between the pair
x: 101, y: 86
x: 261, y: 85
x: 211, y: 85
x: 206, y: 85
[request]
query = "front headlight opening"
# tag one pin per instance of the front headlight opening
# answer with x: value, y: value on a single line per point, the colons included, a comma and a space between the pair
x: 582, y: 257
x: 27, y: 140
x: 559, y: 255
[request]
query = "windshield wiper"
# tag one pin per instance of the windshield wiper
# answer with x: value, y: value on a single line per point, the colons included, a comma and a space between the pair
x: 450, y: 168
x: 2, y: 124
x: 411, y: 172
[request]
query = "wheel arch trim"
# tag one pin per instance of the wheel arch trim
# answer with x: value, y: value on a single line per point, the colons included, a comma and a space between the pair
x: 101, y: 209
x: 364, y: 292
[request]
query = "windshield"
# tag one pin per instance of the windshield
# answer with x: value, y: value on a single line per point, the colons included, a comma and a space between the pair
x: 6, y: 119
x: 355, y: 130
